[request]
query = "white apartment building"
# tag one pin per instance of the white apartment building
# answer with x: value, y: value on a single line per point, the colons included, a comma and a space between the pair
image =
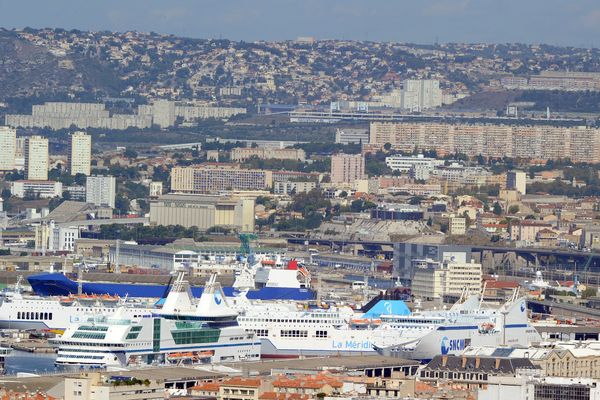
x: 41, y: 189
x: 101, y: 190
x: 292, y: 187
x: 36, y: 158
x: 351, y: 135
x: 419, y: 167
x: 434, y: 280
x: 80, y: 153
x: 8, y: 143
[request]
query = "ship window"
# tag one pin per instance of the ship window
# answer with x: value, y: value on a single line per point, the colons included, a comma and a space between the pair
x: 321, y: 334
x: 27, y: 314
x: 50, y: 315
x: 294, y: 333
x: 261, y: 332
x: 19, y: 315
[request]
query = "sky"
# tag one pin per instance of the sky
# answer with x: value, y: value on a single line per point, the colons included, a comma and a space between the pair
x: 560, y: 22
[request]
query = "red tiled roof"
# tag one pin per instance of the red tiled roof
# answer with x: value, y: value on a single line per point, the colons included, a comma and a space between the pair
x: 245, y: 382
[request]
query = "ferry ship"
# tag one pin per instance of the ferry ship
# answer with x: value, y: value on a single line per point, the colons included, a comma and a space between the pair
x: 452, y: 333
x: 185, y: 330
x: 18, y: 311
x: 285, y: 331
x: 262, y: 283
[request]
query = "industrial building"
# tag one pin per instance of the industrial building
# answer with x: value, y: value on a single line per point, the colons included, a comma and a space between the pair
x: 203, y: 212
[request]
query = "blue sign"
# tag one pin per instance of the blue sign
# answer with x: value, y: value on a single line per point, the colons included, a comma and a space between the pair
x: 523, y: 307
x: 449, y: 345
x: 218, y: 299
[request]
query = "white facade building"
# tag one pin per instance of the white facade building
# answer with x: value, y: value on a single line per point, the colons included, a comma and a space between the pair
x: 418, y: 166
x: 421, y: 94
x: 433, y: 279
x: 41, y: 189
x: 351, y: 135
x: 156, y: 189
x: 36, y: 158
x: 517, y: 180
x: 8, y: 143
x: 80, y: 153
x: 101, y: 190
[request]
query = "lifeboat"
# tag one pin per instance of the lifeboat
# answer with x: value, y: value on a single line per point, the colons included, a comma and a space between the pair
x: 106, y: 298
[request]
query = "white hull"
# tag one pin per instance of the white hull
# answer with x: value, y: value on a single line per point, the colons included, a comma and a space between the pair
x: 49, y: 313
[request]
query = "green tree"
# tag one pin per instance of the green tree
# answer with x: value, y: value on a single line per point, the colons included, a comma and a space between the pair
x: 513, y: 209
x: 497, y: 209
x: 130, y: 153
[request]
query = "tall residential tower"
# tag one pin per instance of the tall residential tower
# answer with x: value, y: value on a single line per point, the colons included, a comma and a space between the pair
x: 80, y: 153
x: 8, y: 142
x: 36, y: 158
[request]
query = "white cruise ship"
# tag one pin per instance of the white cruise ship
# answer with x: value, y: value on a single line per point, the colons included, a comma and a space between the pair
x: 461, y: 327
x: 185, y: 330
x: 285, y: 331
x: 18, y: 311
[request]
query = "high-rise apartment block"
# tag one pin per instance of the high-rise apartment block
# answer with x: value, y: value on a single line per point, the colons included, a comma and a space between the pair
x: 347, y: 168
x: 541, y: 142
x: 80, y: 153
x: 62, y: 115
x: 8, y: 143
x: 215, y: 178
x: 421, y: 94
x: 101, y: 190
x: 36, y: 158
x: 245, y: 153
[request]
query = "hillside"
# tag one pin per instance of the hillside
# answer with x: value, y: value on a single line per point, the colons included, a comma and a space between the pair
x: 28, y: 70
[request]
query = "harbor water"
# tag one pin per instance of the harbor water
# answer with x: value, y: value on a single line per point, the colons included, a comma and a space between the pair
x: 32, y: 363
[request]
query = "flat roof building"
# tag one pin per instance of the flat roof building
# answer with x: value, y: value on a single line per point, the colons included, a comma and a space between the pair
x: 212, y: 178
x: 203, y: 212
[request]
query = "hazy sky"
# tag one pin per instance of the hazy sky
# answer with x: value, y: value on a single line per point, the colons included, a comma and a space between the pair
x: 565, y: 22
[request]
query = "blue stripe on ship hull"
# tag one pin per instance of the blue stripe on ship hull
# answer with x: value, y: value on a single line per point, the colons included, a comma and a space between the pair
x: 59, y: 285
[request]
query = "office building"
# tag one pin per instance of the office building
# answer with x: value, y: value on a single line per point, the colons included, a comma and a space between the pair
x: 351, y: 136
x: 516, y: 180
x: 540, y: 142
x: 101, y: 190
x: 406, y: 253
x: 36, y: 158
x: 80, y: 154
x: 8, y: 143
x: 49, y: 237
x: 347, y: 168
x: 419, y: 167
x: 203, y: 212
x: 36, y: 189
x: 210, y: 178
x: 434, y: 280
x: 243, y: 153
